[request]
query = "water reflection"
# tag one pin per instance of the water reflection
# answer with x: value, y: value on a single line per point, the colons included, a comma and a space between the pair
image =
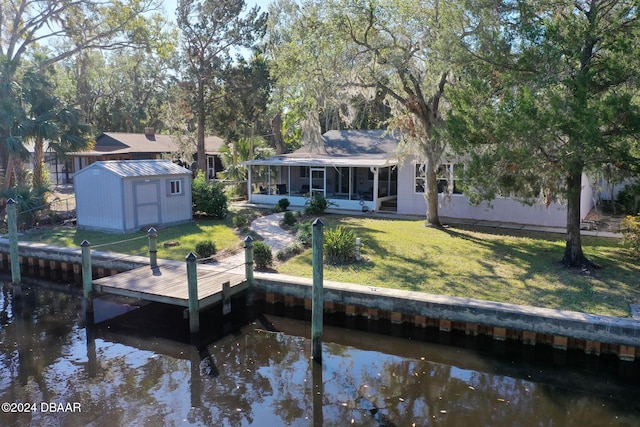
x: 263, y: 375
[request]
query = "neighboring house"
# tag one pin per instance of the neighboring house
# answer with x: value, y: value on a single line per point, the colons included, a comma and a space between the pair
x: 140, y: 146
x: 123, y: 196
x: 360, y: 170
x: 57, y: 170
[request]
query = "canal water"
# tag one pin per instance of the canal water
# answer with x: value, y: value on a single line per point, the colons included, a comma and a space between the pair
x: 137, y: 369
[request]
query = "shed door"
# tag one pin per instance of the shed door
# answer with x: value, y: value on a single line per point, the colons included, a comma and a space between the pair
x: 147, y: 200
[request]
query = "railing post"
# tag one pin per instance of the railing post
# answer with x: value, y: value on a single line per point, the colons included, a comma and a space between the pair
x: 194, y: 304
x: 248, y: 268
x: 153, y: 247
x: 87, y: 280
x: 12, y: 224
x: 317, y: 303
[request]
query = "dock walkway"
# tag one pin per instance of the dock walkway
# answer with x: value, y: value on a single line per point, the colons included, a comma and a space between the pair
x: 168, y: 284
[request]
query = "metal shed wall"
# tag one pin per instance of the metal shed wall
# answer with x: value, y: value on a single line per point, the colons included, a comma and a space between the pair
x: 99, y: 200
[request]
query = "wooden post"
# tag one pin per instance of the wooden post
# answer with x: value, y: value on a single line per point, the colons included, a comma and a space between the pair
x: 318, y: 297
x: 153, y: 247
x: 87, y: 278
x: 12, y: 223
x: 87, y: 281
x: 192, y: 283
x: 248, y: 268
x: 226, y: 298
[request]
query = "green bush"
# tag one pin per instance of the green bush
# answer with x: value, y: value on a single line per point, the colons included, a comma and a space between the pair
x: 339, y: 245
x: 209, y: 197
x: 283, y: 204
x: 629, y: 197
x: 205, y: 248
x: 316, y: 205
x: 289, y: 252
x: 304, y: 233
x: 240, y: 221
x: 262, y: 255
x: 630, y: 227
x: 289, y: 219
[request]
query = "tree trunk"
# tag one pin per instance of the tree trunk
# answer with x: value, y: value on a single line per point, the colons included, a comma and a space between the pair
x: 202, y: 156
x: 276, y: 127
x: 431, y: 194
x: 9, y: 173
x: 38, y: 163
x: 573, y: 255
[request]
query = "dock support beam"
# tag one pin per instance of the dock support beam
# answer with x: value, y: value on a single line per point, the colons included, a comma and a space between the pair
x: 87, y: 281
x: 12, y: 223
x: 318, y: 294
x: 194, y: 305
x: 153, y: 247
x: 248, y: 268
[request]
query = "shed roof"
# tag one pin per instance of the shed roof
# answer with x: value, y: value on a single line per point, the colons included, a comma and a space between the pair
x: 138, y: 168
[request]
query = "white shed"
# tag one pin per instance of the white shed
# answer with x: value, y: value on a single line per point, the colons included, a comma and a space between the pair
x: 123, y: 196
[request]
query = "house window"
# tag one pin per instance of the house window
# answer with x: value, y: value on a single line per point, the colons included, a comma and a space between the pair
x: 175, y: 186
x: 304, y: 172
x: 444, y: 174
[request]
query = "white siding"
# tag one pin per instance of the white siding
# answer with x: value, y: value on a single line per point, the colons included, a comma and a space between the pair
x: 502, y: 209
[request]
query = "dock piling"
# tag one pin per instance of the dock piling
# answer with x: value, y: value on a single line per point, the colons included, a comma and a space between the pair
x: 12, y: 224
x: 226, y: 298
x: 317, y: 304
x: 87, y: 281
x: 248, y: 268
x: 192, y: 283
x: 153, y: 247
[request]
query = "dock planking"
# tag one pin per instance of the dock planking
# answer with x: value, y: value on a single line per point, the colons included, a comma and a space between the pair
x: 168, y: 284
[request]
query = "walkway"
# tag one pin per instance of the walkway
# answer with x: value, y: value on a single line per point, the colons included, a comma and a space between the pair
x: 268, y: 227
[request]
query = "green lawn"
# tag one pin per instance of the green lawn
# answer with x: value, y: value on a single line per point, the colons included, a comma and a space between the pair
x: 506, y: 266
x: 188, y: 235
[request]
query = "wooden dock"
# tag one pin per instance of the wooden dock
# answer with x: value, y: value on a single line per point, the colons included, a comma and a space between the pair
x: 168, y: 284
x: 194, y: 288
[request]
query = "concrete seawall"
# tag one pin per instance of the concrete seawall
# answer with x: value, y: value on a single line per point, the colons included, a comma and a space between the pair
x: 562, y: 329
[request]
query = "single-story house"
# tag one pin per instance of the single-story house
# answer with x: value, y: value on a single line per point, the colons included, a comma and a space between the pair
x: 122, y: 196
x: 361, y: 170
x: 141, y: 146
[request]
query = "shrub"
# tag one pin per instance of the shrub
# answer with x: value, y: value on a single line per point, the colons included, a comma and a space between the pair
x: 630, y: 227
x: 289, y: 219
x: 304, y: 233
x: 209, y: 197
x: 316, y: 205
x: 240, y: 221
x: 283, y: 204
x: 205, y: 248
x: 289, y: 252
x: 629, y: 197
x: 262, y: 255
x: 339, y: 245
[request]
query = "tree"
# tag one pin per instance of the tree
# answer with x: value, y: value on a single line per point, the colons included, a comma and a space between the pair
x: 47, y: 118
x: 62, y: 29
x: 210, y: 29
x: 373, y: 49
x: 550, y: 93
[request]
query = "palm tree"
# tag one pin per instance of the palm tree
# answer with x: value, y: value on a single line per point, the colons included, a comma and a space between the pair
x: 47, y: 118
